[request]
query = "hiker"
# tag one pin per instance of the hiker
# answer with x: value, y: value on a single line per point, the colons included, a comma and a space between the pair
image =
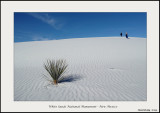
x: 121, y: 34
x: 126, y: 35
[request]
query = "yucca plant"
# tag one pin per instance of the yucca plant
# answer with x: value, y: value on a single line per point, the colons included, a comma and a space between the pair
x: 56, y: 69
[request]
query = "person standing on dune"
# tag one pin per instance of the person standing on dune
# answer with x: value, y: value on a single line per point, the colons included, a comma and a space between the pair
x: 121, y: 34
x: 126, y: 35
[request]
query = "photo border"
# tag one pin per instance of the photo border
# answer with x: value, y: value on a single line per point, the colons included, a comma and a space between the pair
x: 8, y: 9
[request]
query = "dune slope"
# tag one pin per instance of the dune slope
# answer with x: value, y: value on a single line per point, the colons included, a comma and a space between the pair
x: 100, y: 69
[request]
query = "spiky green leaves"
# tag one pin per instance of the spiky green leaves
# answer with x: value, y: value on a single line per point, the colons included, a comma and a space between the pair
x: 56, y: 68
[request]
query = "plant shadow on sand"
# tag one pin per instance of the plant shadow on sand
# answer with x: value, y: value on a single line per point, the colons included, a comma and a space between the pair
x: 70, y: 78
x: 65, y: 79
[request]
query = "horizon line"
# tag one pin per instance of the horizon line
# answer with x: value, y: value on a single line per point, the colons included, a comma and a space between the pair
x: 78, y: 38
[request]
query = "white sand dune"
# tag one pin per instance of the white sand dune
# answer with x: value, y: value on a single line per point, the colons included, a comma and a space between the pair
x: 100, y: 69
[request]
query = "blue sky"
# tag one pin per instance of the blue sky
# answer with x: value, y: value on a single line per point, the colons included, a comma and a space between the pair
x: 54, y: 26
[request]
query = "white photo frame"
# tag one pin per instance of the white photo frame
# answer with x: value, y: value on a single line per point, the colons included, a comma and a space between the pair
x: 7, y: 44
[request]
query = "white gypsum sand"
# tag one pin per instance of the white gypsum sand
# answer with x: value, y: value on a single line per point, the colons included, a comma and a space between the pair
x: 99, y: 69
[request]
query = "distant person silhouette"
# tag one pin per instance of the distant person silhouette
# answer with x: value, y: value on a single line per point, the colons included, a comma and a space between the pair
x: 121, y: 34
x: 126, y: 35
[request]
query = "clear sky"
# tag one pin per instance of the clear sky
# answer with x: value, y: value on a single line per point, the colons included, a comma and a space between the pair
x: 54, y: 26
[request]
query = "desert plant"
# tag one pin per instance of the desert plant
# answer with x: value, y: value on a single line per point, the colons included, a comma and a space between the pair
x: 56, y: 69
